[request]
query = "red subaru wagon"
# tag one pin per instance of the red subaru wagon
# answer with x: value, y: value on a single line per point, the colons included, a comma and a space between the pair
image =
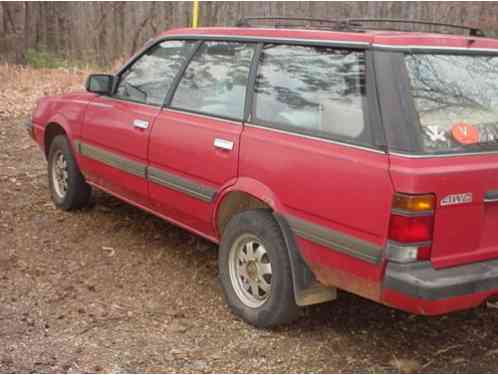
x: 321, y: 155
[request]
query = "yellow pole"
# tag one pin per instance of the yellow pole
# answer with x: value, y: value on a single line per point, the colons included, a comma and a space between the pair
x: 195, y: 14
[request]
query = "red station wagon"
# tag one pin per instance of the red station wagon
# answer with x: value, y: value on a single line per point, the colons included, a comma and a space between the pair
x: 320, y: 155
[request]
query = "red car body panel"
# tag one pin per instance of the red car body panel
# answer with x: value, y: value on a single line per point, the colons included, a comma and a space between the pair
x: 182, y: 144
x: 274, y: 33
x: 426, y: 307
x: 109, y: 126
x: 334, y: 269
x: 434, y: 40
x: 342, y: 188
x: 67, y: 111
x: 463, y: 233
x: 359, y: 184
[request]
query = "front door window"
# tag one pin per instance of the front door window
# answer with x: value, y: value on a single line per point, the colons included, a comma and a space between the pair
x: 149, y: 78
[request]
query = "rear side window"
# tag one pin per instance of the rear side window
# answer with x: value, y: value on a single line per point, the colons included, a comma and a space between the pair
x: 215, y: 81
x: 150, y: 77
x: 318, y: 91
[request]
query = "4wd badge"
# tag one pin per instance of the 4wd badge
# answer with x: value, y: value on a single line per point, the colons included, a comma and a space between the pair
x: 456, y: 199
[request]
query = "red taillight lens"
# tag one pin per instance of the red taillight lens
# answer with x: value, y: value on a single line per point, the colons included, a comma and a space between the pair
x: 408, y: 229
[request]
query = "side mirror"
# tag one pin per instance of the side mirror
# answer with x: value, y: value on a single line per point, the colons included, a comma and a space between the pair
x: 100, y: 83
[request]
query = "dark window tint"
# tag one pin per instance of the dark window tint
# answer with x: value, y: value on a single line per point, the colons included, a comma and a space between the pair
x: 149, y: 78
x: 216, y: 79
x: 312, y: 90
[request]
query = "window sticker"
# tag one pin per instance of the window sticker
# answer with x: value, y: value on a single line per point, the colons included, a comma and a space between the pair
x: 464, y: 133
x: 435, y: 133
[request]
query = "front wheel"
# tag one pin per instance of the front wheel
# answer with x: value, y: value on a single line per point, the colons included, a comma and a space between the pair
x: 255, y: 271
x: 67, y: 186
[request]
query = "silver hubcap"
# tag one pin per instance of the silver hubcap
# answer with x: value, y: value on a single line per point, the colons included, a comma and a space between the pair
x: 250, y: 270
x: 60, y: 175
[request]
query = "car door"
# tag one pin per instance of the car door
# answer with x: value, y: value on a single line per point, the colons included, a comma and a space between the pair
x: 195, y: 141
x: 116, y: 132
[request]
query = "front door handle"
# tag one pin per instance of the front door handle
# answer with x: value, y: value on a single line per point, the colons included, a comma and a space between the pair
x: 224, y: 144
x: 141, y: 124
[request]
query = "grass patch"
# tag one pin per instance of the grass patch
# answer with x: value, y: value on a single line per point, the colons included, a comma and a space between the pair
x: 44, y: 60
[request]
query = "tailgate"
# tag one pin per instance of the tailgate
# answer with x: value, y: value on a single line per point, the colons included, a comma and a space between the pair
x: 466, y: 214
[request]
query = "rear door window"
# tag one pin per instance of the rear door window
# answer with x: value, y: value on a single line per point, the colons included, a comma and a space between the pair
x: 215, y: 81
x: 456, y: 98
x: 319, y: 91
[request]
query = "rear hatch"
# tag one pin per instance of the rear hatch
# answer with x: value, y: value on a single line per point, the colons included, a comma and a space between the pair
x: 455, y: 100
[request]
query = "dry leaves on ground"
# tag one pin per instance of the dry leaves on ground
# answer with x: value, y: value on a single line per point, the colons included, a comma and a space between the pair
x: 23, y: 86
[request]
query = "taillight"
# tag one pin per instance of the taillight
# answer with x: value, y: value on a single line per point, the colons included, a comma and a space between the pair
x: 411, y: 228
x: 408, y: 229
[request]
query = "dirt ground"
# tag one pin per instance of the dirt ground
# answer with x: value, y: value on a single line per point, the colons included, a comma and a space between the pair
x: 114, y: 289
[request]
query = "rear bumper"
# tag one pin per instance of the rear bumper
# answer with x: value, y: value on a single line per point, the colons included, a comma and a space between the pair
x: 420, y: 289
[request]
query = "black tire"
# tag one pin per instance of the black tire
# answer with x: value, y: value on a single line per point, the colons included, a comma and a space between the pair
x: 78, y: 192
x: 280, y: 307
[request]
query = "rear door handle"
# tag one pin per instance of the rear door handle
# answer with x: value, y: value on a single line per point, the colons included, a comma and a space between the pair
x: 141, y: 124
x: 224, y: 144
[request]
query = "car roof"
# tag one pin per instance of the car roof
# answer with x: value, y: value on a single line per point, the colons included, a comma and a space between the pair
x: 371, y: 37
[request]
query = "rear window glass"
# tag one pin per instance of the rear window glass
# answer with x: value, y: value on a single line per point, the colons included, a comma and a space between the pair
x: 312, y: 90
x: 456, y: 98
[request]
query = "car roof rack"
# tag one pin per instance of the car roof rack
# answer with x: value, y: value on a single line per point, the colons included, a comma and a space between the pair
x: 276, y: 22
x: 346, y: 24
x: 473, y: 31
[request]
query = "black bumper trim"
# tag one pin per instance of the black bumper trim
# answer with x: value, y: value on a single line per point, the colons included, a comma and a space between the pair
x: 420, y: 280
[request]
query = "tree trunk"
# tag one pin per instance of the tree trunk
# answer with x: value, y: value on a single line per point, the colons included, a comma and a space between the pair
x: 103, y: 31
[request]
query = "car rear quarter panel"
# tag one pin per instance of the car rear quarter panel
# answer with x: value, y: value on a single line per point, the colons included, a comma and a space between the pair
x: 337, y: 187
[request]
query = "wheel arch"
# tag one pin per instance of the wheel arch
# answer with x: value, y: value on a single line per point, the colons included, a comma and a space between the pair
x: 247, y: 194
x: 56, y: 125
x: 52, y: 130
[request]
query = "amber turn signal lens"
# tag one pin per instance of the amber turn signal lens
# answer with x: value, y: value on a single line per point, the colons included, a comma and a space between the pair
x: 413, y: 203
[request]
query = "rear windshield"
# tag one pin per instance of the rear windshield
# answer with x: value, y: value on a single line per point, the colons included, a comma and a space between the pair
x: 456, y: 97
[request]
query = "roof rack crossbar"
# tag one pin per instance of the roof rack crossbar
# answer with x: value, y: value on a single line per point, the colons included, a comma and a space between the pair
x: 473, y: 31
x: 346, y: 24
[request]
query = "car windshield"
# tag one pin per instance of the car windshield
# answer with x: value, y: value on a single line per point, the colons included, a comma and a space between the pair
x: 456, y: 97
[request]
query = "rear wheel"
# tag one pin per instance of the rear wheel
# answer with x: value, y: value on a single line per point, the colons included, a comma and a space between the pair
x: 68, y: 188
x: 255, y: 272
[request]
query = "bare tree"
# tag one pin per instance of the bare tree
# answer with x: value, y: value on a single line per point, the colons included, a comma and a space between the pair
x: 103, y: 31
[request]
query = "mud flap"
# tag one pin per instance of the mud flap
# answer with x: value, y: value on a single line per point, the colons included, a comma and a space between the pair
x: 307, y: 290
